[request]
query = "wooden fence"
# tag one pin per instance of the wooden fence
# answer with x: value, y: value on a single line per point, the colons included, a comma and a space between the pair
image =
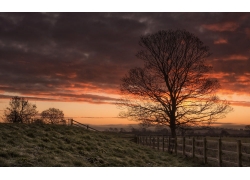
x: 218, y: 151
x: 72, y: 122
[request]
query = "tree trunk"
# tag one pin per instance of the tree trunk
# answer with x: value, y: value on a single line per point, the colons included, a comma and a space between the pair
x: 173, y: 117
x: 173, y: 133
x: 173, y: 126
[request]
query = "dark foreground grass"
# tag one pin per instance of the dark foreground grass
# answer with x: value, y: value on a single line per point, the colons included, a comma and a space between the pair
x: 57, y: 145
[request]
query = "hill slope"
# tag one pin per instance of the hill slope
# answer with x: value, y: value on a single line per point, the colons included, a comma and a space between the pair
x: 57, y: 145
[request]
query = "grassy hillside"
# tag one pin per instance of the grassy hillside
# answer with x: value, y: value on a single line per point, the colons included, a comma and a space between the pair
x: 57, y: 145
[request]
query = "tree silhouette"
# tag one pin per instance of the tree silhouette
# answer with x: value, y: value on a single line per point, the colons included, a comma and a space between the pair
x: 224, y: 133
x: 173, y: 88
x: 53, y: 116
x: 247, y: 127
x: 20, y: 111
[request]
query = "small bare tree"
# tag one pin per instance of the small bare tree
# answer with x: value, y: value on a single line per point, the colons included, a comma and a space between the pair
x: 20, y: 111
x: 53, y: 116
x: 173, y: 88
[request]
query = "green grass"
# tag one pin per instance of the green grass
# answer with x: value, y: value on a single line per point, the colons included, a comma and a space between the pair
x: 23, y: 145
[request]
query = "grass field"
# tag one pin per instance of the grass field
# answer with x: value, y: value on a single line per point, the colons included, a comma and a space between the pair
x: 23, y: 145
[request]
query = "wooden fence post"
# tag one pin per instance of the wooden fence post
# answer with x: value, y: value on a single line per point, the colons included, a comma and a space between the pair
x: 153, y: 142
x: 193, y: 147
x: 239, y: 153
x: 205, y: 150
x: 150, y: 141
x: 158, y: 143
x: 146, y: 140
x: 71, y: 122
x: 169, y: 139
x: 163, y: 143
x: 183, y: 146
x: 175, y: 145
x: 137, y: 139
x: 219, y: 152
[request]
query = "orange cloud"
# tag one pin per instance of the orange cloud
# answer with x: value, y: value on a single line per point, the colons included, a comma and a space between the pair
x: 240, y: 103
x: 235, y: 85
x: 227, y: 26
x: 221, y: 41
x: 72, y: 75
x: 236, y: 57
x: 217, y: 75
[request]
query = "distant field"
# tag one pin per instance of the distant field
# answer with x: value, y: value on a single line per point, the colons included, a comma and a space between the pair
x: 58, y: 145
x: 231, y: 139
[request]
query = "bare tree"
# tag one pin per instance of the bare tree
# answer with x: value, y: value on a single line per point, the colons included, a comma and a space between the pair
x: 20, y: 111
x: 173, y: 88
x: 53, y: 116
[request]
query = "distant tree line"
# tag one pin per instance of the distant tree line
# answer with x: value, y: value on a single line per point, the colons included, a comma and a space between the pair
x: 140, y: 130
x: 192, y: 131
x: 20, y: 110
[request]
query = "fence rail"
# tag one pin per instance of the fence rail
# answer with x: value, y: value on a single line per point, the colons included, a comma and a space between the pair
x: 205, y: 149
x: 72, y: 122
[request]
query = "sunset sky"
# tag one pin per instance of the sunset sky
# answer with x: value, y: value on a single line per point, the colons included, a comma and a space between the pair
x: 75, y: 61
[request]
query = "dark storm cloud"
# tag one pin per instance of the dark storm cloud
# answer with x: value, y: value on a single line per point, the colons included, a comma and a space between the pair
x: 54, y: 55
x: 62, y: 97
